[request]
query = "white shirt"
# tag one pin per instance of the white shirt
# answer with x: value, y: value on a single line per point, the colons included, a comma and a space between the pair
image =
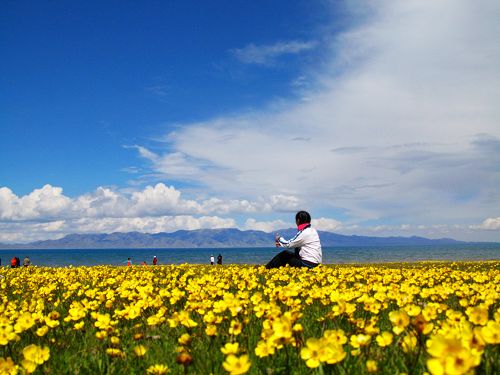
x: 308, y: 242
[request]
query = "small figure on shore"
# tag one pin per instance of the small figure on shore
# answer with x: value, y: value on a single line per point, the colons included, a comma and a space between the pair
x: 26, y: 261
x: 18, y: 262
x: 144, y: 263
x: 129, y: 262
x: 155, y: 260
x: 219, y: 259
x: 306, y: 244
x: 212, y: 260
x: 13, y: 262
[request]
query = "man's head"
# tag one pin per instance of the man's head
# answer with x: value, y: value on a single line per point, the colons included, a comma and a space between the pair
x: 302, y: 217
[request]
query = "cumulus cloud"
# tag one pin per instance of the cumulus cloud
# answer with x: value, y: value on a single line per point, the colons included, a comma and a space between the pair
x: 328, y: 225
x: 491, y: 223
x: 49, y: 203
x: 45, y: 202
x: 265, y: 226
x: 402, y: 125
x: 267, y: 54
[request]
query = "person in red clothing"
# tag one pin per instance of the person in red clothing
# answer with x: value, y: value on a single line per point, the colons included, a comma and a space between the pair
x: 129, y: 262
x: 155, y: 260
x: 13, y: 262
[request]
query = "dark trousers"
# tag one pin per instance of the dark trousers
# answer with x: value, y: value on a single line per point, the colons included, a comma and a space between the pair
x: 291, y: 258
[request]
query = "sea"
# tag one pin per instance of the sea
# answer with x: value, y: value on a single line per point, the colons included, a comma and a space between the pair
x: 331, y: 255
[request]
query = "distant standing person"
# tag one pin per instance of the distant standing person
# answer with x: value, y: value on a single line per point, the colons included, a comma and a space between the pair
x: 155, y: 260
x: 212, y: 260
x: 305, y: 244
x: 26, y: 261
x: 219, y: 259
x: 129, y: 262
x: 13, y: 262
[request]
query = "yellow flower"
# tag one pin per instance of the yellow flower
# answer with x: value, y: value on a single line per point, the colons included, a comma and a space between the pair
x: 185, y: 320
x: 211, y: 330
x: 101, y: 335
x: 478, y: 315
x: 399, y: 320
x: 36, y: 354
x: 384, y: 339
x: 114, y: 352
x: 435, y: 366
x: 158, y: 369
x: 235, y: 328
x: 185, y: 339
x: 114, y: 340
x: 7, y: 366
x: 264, y: 349
x: 24, y: 322
x: 76, y: 312
x: 78, y: 326
x: 335, y: 336
x: 140, y: 350
x: 450, y: 356
x: 412, y: 309
x: 371, y: 365
x: 236, y: 365
x: 103, y: 321
x: 28, y: 366
x: 491, y: 332
x: 360, y: 340
x: 42, y: 331
x: 312, y: 352
x: 372, y: 305
x: 331, y: 353
x: 230, y: 348
x: 7, y: 334
x: 155, y: 320
x: 52, y: 320
x: 421, y: 325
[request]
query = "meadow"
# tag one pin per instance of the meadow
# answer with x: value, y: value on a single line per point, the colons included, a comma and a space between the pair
x: 413, y: 318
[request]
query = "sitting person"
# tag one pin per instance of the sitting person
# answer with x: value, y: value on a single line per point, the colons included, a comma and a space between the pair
x: 305, y: 244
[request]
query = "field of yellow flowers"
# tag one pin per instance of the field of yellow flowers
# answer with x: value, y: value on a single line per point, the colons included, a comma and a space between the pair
x: 429, y: 317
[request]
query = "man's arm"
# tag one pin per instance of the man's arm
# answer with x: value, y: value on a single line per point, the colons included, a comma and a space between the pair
x: 296, y: 241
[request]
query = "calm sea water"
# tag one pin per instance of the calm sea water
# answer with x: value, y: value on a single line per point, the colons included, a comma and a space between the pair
x: 335, y: 255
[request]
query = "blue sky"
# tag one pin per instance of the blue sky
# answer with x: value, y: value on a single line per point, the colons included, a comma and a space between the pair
x: 380, y: 118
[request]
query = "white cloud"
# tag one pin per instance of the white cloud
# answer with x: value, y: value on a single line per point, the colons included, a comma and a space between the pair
x: 328, y: 225
x: 267, y: 54
x: 45, y: 202
x: 159, y: 200
x: 491, y: 223
x: 266, y: 226
x: 402, y: 127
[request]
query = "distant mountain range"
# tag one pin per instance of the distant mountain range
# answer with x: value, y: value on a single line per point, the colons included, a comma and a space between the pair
x: 213, y: 238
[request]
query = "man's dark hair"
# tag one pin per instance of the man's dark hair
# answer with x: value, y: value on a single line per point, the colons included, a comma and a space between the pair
x: 302, y: 217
